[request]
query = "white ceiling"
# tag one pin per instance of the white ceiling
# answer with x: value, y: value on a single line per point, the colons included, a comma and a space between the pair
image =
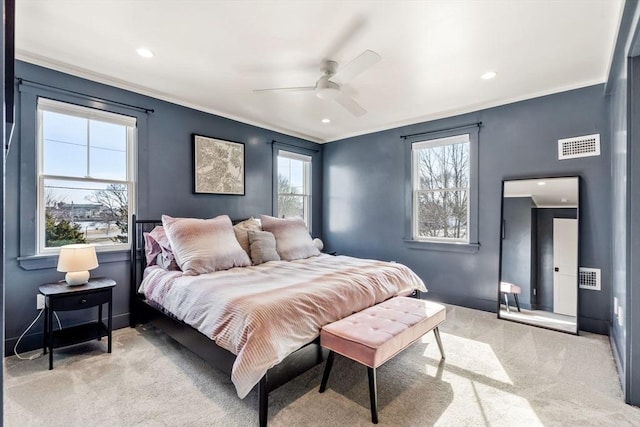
x: 210, y: 55
x: 545, y: 192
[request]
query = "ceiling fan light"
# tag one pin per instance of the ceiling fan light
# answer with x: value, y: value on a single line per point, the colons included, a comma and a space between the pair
x: 326, y: 89
x: 327, y: 93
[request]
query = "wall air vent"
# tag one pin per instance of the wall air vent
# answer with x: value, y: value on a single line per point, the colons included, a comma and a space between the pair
x: 580, y: 146
x: 589, y: 278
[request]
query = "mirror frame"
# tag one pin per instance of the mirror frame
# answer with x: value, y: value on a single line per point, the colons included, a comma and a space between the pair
x: 501, y: 237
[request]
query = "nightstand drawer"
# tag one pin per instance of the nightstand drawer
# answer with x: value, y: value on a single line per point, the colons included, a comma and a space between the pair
x: 77, y: 302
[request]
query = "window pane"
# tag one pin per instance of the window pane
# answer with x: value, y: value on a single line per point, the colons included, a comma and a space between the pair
x: 291, y: 206
x: 108, y: 151
x: 64, y: 145
x: 291, y: 176
x: 79, y: 212
x: 442, y: 214
x: 443, y: 167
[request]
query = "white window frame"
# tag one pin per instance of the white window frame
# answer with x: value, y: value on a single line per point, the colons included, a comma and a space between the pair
x: 306, y: 195
x: 45, y: 104
x: 416, y: 147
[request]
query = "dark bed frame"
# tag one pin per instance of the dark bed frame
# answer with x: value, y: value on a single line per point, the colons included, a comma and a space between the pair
x: 140, y: 311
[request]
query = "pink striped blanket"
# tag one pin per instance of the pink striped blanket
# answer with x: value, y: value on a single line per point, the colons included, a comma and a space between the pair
x: 264, y: 313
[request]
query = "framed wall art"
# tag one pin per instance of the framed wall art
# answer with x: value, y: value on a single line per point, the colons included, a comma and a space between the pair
x: 218, y: 166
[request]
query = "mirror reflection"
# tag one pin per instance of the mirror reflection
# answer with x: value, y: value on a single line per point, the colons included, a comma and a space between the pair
x: 539, y: 253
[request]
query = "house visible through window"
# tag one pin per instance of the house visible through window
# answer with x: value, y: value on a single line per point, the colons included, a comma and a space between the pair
x: 85, y: 176
x: 294, y: 185
x: 440, y: 176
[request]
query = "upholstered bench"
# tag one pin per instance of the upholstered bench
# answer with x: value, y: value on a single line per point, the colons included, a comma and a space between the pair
x: 509, y: 288
x: 376, y: 334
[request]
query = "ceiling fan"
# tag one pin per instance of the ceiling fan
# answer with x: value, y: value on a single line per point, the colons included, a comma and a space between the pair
x: 329, y: 86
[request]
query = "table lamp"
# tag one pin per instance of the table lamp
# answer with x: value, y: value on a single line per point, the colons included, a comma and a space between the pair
x: 76, y: 260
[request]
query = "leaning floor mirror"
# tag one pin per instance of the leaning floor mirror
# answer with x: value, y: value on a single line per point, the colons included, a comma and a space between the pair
x: 539, y: 253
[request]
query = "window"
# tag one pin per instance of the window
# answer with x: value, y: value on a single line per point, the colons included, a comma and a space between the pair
x: 294, y: 186
x: 441, y: 189
x: 85, y: 176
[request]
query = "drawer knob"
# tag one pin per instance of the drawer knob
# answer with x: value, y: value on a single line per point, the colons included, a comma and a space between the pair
x: 83, y: 301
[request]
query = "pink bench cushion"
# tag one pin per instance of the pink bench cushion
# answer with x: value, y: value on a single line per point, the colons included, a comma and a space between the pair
x: 376, y: 334
x: 509, y: 288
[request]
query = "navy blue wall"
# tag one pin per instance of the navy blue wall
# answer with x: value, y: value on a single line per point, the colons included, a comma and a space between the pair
x: 364, y: 195
x: 623, y: 89
x: 518, y: 246
x: 164, y: 184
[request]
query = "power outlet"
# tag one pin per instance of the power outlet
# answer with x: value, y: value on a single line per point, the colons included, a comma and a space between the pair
x: 39, y: 301
x: 620, y: 316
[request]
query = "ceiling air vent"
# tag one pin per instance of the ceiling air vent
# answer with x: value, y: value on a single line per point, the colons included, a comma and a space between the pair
x: 580, y: 146
x: 589, y: 278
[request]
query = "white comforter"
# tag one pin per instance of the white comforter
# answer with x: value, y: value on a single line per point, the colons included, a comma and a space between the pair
x: 264, y: 313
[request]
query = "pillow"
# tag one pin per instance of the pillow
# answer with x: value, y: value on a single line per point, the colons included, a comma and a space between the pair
x: 204, y: 245
x: 151, y: 249
x: 242, y: 228
x: 292, y: 237
x: 158, y: 249
x: 263, y: 247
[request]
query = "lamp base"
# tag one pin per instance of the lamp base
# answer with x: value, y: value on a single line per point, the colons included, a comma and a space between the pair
x: 76, y: 278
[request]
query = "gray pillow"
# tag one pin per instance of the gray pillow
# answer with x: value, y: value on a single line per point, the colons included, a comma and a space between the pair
x: 263, y: 247
x: 292, y: 237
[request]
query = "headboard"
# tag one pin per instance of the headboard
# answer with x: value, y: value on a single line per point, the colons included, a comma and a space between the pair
x: 137, y: 257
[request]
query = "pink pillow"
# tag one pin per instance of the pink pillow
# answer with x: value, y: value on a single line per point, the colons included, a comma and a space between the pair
x: 158, y: 249
x: 292, y: 237
x: 204, y: 245
x: 151, y: 249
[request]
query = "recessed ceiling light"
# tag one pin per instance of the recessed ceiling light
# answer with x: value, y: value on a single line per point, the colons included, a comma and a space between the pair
x: 326, y: 120
x: 542, y: 183
x: 144, y: 52
x: 488, y: 75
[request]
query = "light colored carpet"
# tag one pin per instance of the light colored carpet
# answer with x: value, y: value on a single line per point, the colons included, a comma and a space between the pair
x: 497, y: 373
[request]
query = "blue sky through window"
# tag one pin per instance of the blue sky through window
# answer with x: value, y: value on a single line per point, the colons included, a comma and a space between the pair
x: 81, y: 148
x: 293, y: 170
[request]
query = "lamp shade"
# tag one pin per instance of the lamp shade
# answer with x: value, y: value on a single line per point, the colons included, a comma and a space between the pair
x: 76, y: 260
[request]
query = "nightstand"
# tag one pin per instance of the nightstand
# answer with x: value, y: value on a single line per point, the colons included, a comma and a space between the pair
x: 61, y: 297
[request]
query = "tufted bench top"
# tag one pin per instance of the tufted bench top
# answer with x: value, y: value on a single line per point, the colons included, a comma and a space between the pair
x: 376, y: 334
x: 509, y: 288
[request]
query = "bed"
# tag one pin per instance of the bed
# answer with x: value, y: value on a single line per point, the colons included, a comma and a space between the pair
x: 259, y: 323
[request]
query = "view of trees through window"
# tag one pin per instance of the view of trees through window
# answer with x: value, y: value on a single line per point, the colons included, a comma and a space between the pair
x: 442, y: 191
x: 101, y: 219
x: 293, y: 187
x: 84, y: 178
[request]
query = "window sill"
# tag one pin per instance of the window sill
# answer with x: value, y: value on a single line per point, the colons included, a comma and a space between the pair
x: 41, y: 262
x: 469, y: 248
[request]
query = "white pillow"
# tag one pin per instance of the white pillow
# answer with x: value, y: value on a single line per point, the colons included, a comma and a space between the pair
x: 204, y: 245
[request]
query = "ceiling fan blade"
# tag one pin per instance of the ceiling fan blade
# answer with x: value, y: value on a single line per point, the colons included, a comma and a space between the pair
x: 365, y: 60
x: 285, y: 89
x: 353, y: 27
x: 351, y: 105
